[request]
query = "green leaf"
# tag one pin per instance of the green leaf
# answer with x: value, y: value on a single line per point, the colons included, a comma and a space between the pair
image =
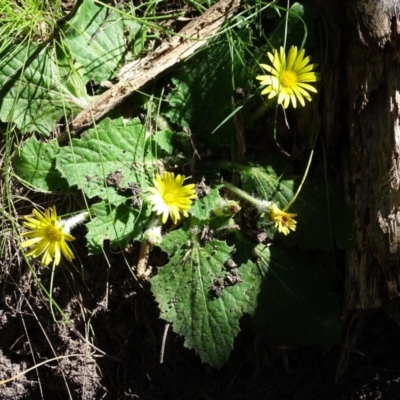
x: 297, y: 298
x: 322, y: 216
x: 35, y: 164
x: 270, y: 179
x: 96, y: 36
x: 119, y: 225
x: 202, y: 95
x: 270, y: 183
x: 162, y: 143
x: 108, y: 161
x: 199, y: 297
x: 38, y: 87
x: 174, y: 241
x: 202, y: 208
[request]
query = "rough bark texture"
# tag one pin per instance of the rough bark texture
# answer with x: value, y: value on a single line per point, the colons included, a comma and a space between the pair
x: 361, y: 125
x: 372, y: 162
x: 361, y: 121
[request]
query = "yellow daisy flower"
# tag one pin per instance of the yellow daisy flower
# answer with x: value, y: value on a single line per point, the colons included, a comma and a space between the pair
x: 289, y: 76
x: 284, y: 221
x: 47, y: 236
x: 169, y: 197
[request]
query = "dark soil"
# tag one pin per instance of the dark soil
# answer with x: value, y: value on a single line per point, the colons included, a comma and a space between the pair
x: 114, y: 342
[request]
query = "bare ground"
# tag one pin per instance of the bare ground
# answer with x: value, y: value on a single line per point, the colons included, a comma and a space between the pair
x: 114, y: 340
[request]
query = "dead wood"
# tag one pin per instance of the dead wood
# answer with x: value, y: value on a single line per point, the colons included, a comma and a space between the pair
x: 134, y: 75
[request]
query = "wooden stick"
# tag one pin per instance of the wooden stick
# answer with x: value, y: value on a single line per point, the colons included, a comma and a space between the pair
x: 134, y: 75
x: 142, y: 272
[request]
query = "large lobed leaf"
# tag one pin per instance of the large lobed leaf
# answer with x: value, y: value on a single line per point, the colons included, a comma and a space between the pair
x: 112, y: 162
x: 108, y: 161
x: 203, y: 88
x: 35, y: 163
x: 98, y: 38
x: 202, y: 300
x: 38, y: 87
x: 41, y: 84
x: 116, y: 224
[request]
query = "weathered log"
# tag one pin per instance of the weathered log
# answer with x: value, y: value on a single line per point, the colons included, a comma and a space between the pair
x: 136, y: 74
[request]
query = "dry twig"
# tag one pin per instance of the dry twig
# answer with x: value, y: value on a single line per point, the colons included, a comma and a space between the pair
x: 134, y: 75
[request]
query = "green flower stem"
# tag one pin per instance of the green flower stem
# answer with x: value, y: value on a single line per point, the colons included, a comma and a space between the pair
x: 241, y: 193
x: 302, y: 180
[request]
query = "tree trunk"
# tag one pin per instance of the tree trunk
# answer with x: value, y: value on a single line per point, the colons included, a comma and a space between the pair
x: 373, y: 158
x: 361, y: 110
x: 361, y: 115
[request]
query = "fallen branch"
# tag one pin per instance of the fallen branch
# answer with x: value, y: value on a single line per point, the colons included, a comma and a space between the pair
x: 134, y: 75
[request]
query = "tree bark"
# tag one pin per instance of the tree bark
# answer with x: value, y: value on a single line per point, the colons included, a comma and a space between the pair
x: 361, y: 97
x: 372, y: 159
x: 361, y: 125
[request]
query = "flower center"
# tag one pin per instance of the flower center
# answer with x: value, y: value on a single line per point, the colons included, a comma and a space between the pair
x: 169, y: 198
x: 288, y: 79
x: 54, y: 234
